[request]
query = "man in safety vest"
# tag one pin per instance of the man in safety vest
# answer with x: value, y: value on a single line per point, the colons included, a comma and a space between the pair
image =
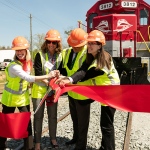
x: 72, y: 59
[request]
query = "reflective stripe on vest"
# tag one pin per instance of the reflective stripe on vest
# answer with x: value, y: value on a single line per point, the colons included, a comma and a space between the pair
x: 110, y: 77
x: 81, y: 56
x: 16, y: 90
x: 44, y: 58
x: 19, y: 92
x: 79, y: 60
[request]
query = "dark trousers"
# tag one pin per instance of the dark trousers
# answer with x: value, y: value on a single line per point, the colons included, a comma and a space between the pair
x: 38, y: 120
x: 28, y: 142
x: 80, y: 114
x: 107, y: 128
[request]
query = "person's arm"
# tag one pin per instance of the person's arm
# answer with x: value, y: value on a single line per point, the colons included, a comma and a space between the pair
x: 80, y: 73
x: 52, y: 74
x: 16, y: 70
x: 38, y: 65
x: 77, y: 76
x: 62, y: 70
x: 92, y: 73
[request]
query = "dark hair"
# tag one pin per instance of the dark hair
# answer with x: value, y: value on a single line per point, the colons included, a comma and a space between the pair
x: 103, y: 58
x: 57, y: 50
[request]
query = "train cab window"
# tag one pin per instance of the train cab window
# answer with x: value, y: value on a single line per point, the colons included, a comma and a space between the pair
x: 144, y: 14
x: 90, y: 20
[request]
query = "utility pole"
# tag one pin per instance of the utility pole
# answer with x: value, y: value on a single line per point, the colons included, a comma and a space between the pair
x: 79, y: 24
x: 31, y: 37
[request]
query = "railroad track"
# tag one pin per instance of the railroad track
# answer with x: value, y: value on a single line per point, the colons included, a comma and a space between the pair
x: 63, y: 113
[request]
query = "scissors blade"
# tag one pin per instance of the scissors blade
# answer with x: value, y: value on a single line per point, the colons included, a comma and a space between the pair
x: 43, y: 99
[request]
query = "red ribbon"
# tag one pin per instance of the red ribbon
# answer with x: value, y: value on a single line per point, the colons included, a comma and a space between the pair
x: 131, y: 98
x: 14, y: 125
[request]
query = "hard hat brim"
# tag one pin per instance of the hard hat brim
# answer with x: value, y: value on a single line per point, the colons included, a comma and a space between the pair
x: 53, y: 39
x: 93, y: 40
x: 19, y: 48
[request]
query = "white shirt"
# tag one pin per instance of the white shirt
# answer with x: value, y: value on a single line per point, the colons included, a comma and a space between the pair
x: 17, y: 71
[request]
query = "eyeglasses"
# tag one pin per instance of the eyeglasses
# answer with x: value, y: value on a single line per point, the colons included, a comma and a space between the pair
x: 53, y: 42
x: 92, y: 43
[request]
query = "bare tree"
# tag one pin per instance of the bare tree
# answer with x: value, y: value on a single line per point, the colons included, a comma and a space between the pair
x: 67, y: 32
x: 8, y: 47
x: 38, y: 40
x: 2, y: 47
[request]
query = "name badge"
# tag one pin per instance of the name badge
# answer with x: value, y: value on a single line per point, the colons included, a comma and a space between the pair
x: 48, y: 65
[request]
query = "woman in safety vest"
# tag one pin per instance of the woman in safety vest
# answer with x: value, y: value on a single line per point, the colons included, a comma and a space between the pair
x: 98, y: 69
x: 16, y: 91
x: 46, y: 60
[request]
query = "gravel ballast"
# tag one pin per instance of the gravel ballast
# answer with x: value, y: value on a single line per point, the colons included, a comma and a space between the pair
x: 139, y: 137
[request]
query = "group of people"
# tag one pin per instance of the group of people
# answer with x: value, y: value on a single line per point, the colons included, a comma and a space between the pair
x: 85, y: 62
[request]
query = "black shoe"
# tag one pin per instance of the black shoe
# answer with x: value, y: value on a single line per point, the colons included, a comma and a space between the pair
x: 73, y: 141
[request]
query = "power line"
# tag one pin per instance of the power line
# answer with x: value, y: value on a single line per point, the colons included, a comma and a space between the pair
x: 11, y: 7
x: 23, y: 11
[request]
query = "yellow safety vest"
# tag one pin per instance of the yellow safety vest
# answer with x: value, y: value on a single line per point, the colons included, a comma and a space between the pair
x: 81, y: 56
x: 16, y: 93
x: 110, y: 77
x: 39, y: 88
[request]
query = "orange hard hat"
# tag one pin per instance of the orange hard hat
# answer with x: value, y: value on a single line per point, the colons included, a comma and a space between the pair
x: 20, y: 42
x: 52, y: 35
x: 96, y: 35
x: 77, y: 38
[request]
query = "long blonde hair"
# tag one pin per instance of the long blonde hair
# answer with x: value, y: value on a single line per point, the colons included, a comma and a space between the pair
x: 27, y: 63
x: 28, y: 56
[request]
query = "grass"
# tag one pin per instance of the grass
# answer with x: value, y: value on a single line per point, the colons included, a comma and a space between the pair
x: 2, y: 77
x: 2, y: 80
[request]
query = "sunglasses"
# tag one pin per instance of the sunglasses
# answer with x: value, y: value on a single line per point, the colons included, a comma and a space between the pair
x: 53, y: 42
x: 93, y: 43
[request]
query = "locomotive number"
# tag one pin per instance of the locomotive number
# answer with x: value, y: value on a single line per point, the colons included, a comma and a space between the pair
x: 128, y: 4
x: 105, y: 6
